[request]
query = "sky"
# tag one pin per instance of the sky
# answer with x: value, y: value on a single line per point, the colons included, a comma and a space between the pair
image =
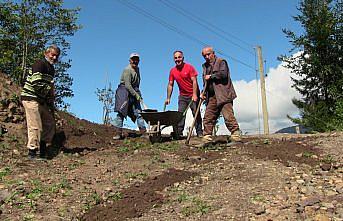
x: 156, y: 28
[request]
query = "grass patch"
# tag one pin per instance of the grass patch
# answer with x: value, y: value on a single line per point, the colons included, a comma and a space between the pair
x: 4, y: 172
x: 328, y: 159
x: 76, y: 164
x: 134, y: 145
x: 168, y: 146
x: 197, y: 206
x: 63, y: 187
x: 257, y: 198
x: 136, y: 175
x: 307, y: 154
x: 115, y: 196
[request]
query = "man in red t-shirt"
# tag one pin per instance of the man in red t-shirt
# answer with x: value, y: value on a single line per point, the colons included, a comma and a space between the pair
x: 185, y: 76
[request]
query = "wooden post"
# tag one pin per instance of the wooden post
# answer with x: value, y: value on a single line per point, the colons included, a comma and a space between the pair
x: 263, y: 91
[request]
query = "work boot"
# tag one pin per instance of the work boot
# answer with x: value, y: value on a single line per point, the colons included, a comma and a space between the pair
x: 207, y: 138
x: 32, y: 155
x: 236, y: 136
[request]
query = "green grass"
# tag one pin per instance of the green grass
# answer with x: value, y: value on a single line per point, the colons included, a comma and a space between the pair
x: 4, y: 172
x: 328, y: 159
x: 115, y: 196
x: 307, y: 154
x: 123, y: 149
x: 76, y: 164
x: 169, y: 146
x: 183, y: 197
x: 197, y: 206
x: 136, y: 175
x: 257, y: 198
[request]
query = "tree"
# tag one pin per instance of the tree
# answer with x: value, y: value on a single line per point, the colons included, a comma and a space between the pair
x: 106, y: 96
x: 318, y: 65
x: 27, y: 27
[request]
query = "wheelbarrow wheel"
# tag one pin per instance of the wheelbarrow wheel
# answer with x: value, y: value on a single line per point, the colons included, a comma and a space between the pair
x: 155, y: 138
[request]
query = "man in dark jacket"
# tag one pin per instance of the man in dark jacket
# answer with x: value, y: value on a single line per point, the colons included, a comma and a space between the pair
x: 128, y: 97
x: 38, y: 100
x: 219, y: 95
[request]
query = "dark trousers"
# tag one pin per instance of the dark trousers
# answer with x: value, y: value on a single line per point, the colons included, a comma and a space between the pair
x: 212, y: 113
x: 182, y: 105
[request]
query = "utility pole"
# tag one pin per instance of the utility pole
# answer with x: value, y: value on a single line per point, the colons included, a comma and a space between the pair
x: 263, y: 91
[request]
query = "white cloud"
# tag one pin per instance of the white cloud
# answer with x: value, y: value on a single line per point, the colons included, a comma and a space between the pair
x: 279, y: 101
x: 248, y: 107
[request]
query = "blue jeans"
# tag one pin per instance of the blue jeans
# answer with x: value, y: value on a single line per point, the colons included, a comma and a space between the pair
x: 136, y: 109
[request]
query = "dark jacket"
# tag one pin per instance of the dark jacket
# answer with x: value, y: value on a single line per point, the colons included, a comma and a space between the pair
x: 220, y: 82
x: 124, y: 100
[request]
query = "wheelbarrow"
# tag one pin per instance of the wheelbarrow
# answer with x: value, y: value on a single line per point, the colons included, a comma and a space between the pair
x: 157, y: 121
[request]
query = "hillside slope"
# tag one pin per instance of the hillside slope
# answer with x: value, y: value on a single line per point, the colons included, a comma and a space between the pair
x: 89, y: 176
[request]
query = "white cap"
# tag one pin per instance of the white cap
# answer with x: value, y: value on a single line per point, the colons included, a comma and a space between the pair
x: 134, y: 55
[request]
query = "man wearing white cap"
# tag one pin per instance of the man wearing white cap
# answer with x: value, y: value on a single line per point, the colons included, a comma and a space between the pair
x: 128, y: 97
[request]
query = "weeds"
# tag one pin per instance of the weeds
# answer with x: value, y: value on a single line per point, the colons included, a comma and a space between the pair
x: 123, y: 149
x: 257, y: 198
x: 76, y: 164
x: 183, y: 197
x: 136, y: 175
x: 133, y: 144
x: 327, y: 159
x: 307, y: 154
x: 4, y: 172
x: 171, y: 146
x: 115, y: 196
x: 197, y: 206
x: 94, y: 200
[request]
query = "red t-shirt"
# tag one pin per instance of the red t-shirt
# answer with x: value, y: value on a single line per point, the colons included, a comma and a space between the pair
x: 183, y: 78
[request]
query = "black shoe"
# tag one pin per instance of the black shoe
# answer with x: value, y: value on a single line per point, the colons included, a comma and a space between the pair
x: 32, y: 155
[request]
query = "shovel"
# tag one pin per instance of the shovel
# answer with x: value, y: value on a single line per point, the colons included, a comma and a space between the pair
x: 196, y: 114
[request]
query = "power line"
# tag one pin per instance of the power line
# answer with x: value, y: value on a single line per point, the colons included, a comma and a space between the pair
x: 211, y: 27
x: 177, y: 30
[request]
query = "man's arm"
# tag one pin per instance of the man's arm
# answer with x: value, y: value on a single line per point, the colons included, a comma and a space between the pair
x: 223, y: 72
x: 195, y: 88
x: 169, y: 91
x: 127, y: 81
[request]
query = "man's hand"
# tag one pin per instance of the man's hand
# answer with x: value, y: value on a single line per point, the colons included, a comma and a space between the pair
x: 194, y: 98
x: 167, y: 101
x: 202, y: 96
x: 207, y: 77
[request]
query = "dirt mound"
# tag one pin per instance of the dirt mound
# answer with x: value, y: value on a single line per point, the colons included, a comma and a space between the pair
x: 90, y: 176
x: 11, y: 110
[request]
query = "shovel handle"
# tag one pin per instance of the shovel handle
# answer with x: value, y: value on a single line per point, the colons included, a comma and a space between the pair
x: 164, y: 107
x: 196, y: 115
x: 185, y: 111
x: 144, y: 106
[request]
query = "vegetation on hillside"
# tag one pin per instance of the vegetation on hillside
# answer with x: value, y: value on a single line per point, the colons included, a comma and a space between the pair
x: 29, y: 26
x: 319, y: 65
